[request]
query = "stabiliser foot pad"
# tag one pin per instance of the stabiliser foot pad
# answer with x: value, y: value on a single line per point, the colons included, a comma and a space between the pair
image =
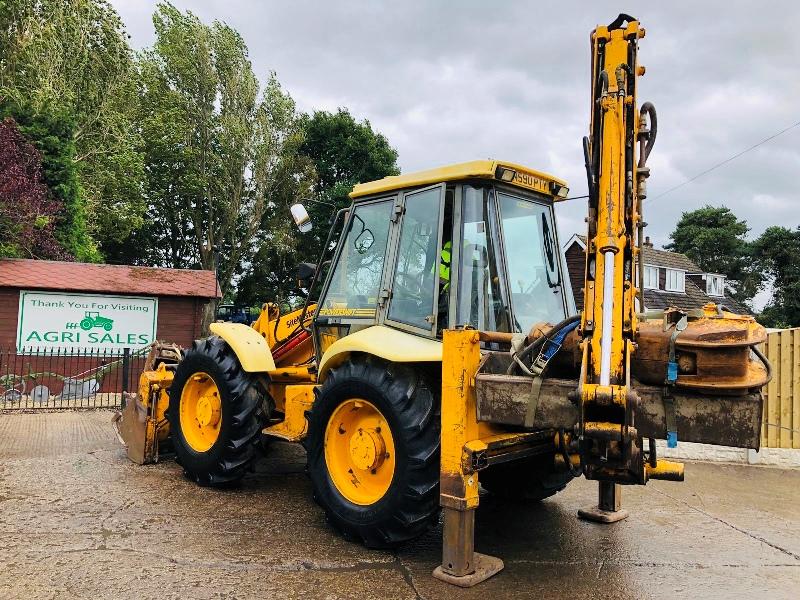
x: 485, y: 567
x: 598, y: 515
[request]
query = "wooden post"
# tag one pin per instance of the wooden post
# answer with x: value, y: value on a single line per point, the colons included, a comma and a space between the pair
x: 786, y: 389
x: 773, y: 391
x: 796, y: 388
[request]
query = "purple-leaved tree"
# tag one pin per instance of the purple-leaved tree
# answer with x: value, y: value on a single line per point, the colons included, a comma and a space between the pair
x: 27, y: 210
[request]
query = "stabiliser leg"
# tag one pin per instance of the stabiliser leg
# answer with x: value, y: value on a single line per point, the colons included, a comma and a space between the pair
x: 461, y: 565
x: 609, y: 505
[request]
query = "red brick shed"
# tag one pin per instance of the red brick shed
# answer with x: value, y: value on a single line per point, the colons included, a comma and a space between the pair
x: 181, y: 294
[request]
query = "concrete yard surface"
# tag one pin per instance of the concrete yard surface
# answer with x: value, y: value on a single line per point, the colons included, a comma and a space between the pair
x: 77, y: 520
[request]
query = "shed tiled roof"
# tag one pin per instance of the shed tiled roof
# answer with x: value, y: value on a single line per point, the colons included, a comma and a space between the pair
x: 117, y: 279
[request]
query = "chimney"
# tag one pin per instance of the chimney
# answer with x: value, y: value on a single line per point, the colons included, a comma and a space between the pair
x: 647, y: 242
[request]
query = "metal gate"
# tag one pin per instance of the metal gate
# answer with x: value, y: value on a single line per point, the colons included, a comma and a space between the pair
x: 66, y: 379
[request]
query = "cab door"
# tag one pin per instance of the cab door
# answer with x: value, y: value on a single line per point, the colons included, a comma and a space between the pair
x: 413, y: 281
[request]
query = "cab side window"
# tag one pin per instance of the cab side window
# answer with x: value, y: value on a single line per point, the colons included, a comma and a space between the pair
x: 417, y: 258
x: 481, y: 301
x: 356, y: 279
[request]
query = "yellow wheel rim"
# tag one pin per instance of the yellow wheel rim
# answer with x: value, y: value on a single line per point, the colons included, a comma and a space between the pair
x: 359, y: 451
x: 200, y: 412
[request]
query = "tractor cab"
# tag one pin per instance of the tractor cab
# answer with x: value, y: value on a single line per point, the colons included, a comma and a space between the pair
x: 468, y: 245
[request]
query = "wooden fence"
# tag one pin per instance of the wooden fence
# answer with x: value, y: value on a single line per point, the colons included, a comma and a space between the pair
x: 781, y: 423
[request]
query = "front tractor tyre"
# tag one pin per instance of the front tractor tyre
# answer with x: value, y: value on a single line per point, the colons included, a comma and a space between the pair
x: 373, y: 452
x: 215, y: 414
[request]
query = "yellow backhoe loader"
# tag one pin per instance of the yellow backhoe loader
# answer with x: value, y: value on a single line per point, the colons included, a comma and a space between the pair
x: 441, y: 353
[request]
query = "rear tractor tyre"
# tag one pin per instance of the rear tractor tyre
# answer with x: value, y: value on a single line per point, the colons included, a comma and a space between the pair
x: 532, y: 479
x: 216, y: 414
x: 373, y: 452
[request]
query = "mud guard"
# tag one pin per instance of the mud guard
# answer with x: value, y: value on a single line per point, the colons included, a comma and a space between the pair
x: 249, y: 346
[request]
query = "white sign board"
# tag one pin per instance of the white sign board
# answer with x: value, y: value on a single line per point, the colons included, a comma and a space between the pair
x: 84, y: 322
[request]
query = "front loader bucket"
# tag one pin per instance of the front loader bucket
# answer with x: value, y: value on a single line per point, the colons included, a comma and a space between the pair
x: 142, y: 424
x: 136, y: 431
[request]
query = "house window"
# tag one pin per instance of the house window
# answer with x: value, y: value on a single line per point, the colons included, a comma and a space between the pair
x: 675, y: 280
x: 715, y: 285
x: 650, y: 277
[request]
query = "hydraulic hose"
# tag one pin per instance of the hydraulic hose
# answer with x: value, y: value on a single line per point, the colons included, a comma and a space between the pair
x: 764, y: 360
x: 562, y: 446
x: 620, y: 21
x: 538, y: 342
x: 650, y: 110
x: 645, y: 147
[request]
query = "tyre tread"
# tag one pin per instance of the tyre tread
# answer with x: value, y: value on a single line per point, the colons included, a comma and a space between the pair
x: 416, y: 408
x: 236, y: 453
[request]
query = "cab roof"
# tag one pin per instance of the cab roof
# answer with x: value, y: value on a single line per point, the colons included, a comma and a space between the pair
x: 519, y: 176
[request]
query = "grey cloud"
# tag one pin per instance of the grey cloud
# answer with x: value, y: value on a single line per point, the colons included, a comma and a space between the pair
x: 450, y: 81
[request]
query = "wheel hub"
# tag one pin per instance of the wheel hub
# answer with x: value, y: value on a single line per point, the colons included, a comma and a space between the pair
x: 367, y: 449
x: 208, y: 411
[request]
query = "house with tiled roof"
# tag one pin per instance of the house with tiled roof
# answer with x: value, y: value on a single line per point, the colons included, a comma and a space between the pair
x: 670, y: 279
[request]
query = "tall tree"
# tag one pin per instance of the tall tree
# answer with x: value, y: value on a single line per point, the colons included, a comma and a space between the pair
x: 715, y: 239
x: 71, y: 62
x: 220, y: 153
x: 344, y: 152
x: 27, y: 211
x: 777, y: 253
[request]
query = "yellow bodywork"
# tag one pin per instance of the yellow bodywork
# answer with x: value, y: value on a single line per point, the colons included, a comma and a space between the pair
x: 459, y: 485
x: 142, y: 423
x: 383, y: 342
x: 293, y: 401
x: 275, y: 327
x: 250, y: 347
x: 359, y: 447
x: 154, y: 385
x: 609, y: 319
x: 253, y: 345
x: 477, y: 169
x: 611, y: 232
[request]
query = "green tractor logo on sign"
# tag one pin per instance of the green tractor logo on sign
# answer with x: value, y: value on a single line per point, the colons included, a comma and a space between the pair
x: 93, y: 319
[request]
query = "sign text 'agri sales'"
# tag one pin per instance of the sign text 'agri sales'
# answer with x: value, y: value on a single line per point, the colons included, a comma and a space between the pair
x: 81, y: 322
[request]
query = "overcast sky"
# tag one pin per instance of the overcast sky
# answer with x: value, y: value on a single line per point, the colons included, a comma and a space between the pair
x: 454, y: 81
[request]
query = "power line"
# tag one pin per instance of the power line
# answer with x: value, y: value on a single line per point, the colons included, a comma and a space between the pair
x: 727, y: 160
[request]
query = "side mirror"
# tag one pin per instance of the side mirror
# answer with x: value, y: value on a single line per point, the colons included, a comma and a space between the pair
x: 305, y: 274
x: 301, y: 218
